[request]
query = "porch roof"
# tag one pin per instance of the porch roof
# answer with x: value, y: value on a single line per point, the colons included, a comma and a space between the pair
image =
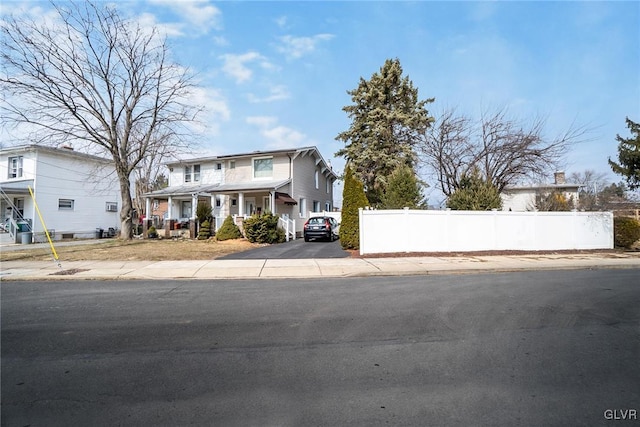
x: 16, y: 187
x: 188, y: 190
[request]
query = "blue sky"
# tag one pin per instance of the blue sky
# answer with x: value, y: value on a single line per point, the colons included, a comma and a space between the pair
x: 275, y: 74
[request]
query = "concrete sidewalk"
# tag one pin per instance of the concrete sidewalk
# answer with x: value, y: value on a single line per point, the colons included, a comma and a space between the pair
x: 309, y: 268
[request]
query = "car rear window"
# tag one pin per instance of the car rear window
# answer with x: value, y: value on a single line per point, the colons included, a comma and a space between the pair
x: 316, y: 221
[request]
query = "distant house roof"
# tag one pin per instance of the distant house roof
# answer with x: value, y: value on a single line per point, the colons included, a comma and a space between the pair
x: 536, y: 187
x: 62, y: 150
x: 294, y: 152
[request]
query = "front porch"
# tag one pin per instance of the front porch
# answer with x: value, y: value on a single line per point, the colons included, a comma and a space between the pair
x: 237, y: 201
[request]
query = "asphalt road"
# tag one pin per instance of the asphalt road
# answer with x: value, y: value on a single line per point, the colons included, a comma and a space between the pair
x: 294, y: 249
x: 533, y: 349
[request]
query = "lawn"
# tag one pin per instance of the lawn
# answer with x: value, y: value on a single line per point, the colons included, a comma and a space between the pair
x: 134, y: 250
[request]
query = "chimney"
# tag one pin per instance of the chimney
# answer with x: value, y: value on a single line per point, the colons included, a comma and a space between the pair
x: 559, y: 178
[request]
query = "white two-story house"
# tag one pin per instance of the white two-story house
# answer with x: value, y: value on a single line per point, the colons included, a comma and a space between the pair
x: 288, y: 183
x: 76, y: 193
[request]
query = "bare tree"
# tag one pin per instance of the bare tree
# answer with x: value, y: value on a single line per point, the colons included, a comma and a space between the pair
x: 446, y: 150
x: 592, y: 183
x: 98, y: 80
x: 503, y: 150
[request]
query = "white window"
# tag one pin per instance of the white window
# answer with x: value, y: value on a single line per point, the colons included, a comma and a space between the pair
x: 218, y: 201
x: 234, y: 202
x: 112, y: 207
x: 219, y: 166
x: 232, y: 164
x: 15, y: 167
x: 192, y: 173
x: 327, y: 206
x: 303, y: 207
x: 156, y: 204
x: 317, y: 178
x: 263, y: 167
x: 328, y: 185
x: 65, y: 204
x: 316, y: 206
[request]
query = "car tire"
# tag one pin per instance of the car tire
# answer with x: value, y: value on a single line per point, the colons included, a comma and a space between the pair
x: 306, y: 239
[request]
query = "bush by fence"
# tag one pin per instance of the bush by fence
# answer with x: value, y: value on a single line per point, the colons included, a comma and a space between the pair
x: 626, y: 231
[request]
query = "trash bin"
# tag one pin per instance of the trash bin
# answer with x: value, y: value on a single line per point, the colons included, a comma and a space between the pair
x: 27, y: 237
x: 99, y: 232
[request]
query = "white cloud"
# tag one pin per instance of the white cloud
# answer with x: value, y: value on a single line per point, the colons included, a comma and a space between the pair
x: 278, y: 136
x: 199, y: 15
x: 281, y: 21
x: 236, y: 67
x: 220, y: 41
x: 215, y: 110
x: 296, y: 47
x: 262, y: 121
x: 276, y: 93
x: 148, y: 21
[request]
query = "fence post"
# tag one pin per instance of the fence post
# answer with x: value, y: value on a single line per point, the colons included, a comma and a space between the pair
x: 407, y: 229
x: 360, y: 231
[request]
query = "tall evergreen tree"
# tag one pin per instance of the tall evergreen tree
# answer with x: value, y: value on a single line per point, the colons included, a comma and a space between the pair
x: 353, y: 198
x: 403, y: 190
x: 387, y: 119
x: 628, y: 164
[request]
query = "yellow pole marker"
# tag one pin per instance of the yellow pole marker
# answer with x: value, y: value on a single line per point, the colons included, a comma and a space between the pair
x: 46, y: 232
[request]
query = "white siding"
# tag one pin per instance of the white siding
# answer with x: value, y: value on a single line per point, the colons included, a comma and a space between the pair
x: 90, y: 185
x: 60, y: 176
x: 304, y: 170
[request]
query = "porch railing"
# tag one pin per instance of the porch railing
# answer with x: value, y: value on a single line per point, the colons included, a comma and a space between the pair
x: 289, y: 227
x: 284, y: 222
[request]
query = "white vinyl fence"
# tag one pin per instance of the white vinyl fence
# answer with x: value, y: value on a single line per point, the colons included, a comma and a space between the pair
x: 404, y: 230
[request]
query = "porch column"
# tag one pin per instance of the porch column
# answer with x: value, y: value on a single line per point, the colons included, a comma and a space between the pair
x: 194, y: 205
x: 170, y: 208
x: 272, y: 201
x: 147, y: 208
x: 240, y: 204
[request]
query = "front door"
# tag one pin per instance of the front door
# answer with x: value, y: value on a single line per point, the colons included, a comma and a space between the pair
x: 250, y: 205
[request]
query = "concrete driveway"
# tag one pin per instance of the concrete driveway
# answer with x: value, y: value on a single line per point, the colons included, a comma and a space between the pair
x: 294, y: 249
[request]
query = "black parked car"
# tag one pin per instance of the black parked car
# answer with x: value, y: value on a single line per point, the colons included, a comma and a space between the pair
x: 321, y: 227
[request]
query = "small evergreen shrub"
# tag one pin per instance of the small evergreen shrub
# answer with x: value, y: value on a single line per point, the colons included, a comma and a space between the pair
x: 228, y: 230
x: 152, y: 233
x: 263, y: 229
x: 403, y: 190
x: 205, y: 230
x: 475, y: 194
x: 626, y: 231
x: 204, y: 212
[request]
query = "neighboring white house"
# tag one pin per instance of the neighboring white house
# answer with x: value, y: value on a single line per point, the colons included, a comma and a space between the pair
x: 523, y: 198
x: 288, y: 183
x: 76, y: 193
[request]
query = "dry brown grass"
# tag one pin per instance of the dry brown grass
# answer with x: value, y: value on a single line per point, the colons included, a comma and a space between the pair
x: 135, y: 250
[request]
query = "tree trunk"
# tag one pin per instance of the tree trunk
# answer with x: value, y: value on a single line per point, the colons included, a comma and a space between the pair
x: 126, y: 212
